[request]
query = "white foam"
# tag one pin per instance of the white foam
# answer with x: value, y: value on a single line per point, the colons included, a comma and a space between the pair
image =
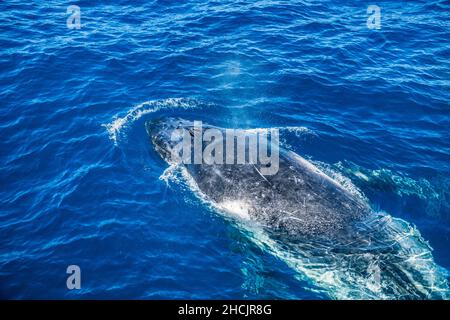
x: 299, y: 131
x: 114, y: 127
x: 170, y: 173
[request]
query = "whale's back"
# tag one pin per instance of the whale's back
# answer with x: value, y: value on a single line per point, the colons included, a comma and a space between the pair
x: 299, y: 199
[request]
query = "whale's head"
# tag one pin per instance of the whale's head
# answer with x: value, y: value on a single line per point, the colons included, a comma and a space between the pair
x: 167, y: 135
x: 193, y: 142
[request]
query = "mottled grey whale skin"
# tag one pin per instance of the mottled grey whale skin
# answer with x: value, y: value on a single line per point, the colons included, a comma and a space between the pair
x: 320, y: 229
x: 298, y: 200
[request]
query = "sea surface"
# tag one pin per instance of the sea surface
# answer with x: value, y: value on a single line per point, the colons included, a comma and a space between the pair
x: 80, y: 183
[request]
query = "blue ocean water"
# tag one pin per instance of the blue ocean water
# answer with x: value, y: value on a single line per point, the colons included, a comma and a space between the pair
x: 81, y: 183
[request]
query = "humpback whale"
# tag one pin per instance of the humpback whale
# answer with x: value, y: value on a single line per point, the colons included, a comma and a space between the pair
x: 330, y: 235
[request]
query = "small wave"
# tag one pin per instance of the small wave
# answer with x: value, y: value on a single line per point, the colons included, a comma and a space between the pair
x: 387, y: 179
x: 297, y: 130
x: 300, y: 131
x: 433, y: 194
x: 115, y: 127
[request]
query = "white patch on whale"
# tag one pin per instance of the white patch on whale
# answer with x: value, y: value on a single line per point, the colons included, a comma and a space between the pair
x: 239, y: 208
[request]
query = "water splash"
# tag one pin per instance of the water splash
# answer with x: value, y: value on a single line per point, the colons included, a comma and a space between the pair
x: 115, y: 127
